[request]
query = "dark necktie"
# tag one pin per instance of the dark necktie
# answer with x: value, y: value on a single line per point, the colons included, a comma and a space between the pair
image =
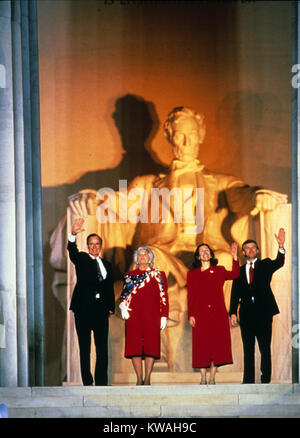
x: 100, y: 278
x: 251, y: 273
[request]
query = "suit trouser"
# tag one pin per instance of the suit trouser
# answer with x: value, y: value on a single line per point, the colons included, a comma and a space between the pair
x: 84, y: 326
x: 263, y: 333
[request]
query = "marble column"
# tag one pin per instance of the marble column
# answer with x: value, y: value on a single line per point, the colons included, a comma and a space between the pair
x: 8, y: 354
x: 20, y: 199
x: 21, y: 284
x: 33, y: 191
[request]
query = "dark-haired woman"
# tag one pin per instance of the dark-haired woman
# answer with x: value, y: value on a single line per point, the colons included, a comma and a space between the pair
x: 207, y: 312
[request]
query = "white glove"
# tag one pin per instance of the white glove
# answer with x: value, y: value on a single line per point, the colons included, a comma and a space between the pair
x: 124, y: 310
x: 163, y: 322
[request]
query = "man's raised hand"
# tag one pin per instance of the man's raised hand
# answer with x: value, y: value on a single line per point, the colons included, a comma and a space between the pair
x: 77, y: 226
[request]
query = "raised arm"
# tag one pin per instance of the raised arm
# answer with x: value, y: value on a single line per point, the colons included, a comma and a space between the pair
x: 234, y: 250
x: 235, y: 272
x: 77, y: 227
x: 280, y: 237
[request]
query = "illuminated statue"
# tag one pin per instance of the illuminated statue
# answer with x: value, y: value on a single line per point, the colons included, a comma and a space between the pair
x: 172, y: 213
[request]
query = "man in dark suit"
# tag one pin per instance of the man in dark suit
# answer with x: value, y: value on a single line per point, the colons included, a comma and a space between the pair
x: 92, y: 302
x: 252, y: 292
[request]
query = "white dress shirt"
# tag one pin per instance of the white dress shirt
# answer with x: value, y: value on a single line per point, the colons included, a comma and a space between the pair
x: 248, y: 268
x: 282, y: 250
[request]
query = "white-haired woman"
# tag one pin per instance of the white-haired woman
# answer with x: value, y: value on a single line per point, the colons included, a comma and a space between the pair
x: 144, y: 305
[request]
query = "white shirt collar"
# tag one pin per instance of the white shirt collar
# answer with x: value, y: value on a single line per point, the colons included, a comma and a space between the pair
x: 252, y: 261
x: 93, y: 257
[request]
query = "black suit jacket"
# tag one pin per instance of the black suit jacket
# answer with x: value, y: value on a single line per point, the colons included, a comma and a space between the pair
x: 256, y: 301
x: 87, y: 286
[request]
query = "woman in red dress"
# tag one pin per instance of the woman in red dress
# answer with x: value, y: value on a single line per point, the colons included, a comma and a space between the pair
x: 144, y: 305
x: 207, y: 311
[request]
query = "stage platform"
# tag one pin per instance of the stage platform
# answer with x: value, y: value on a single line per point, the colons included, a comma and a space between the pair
x: 155, y: 401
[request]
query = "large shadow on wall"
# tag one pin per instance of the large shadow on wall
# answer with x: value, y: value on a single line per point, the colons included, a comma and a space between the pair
x: 250, y: 125
x: 137, y: 123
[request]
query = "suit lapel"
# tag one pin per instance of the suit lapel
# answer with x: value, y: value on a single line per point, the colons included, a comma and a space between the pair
x: 256, y: 264
x: 243, y: 274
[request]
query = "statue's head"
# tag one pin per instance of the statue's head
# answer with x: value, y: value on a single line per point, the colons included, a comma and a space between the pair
x: 185, y: 130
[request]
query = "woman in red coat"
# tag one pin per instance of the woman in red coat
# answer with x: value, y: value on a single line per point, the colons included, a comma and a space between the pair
x: 207, y: 311
x: 144, y: 306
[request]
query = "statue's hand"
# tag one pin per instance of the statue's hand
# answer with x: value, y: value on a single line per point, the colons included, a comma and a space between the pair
x: 84, y: 203
x: 268, y: 200
x: 163, y: 180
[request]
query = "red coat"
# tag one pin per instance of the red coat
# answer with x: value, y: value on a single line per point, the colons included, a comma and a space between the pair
x: 211, y: 334
x: 148, y: 305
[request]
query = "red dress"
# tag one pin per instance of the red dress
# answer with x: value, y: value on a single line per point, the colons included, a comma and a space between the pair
x: 211, y: 334
x: 148, y: 303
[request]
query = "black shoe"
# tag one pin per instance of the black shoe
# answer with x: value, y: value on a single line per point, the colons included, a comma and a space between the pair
x: 265, y: 380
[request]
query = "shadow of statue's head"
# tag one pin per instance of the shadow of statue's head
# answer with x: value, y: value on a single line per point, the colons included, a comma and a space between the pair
x: 136, y: 121
x: 240, y: 116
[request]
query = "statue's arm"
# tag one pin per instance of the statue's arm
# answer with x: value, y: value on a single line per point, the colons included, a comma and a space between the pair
x: 244, y: 199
